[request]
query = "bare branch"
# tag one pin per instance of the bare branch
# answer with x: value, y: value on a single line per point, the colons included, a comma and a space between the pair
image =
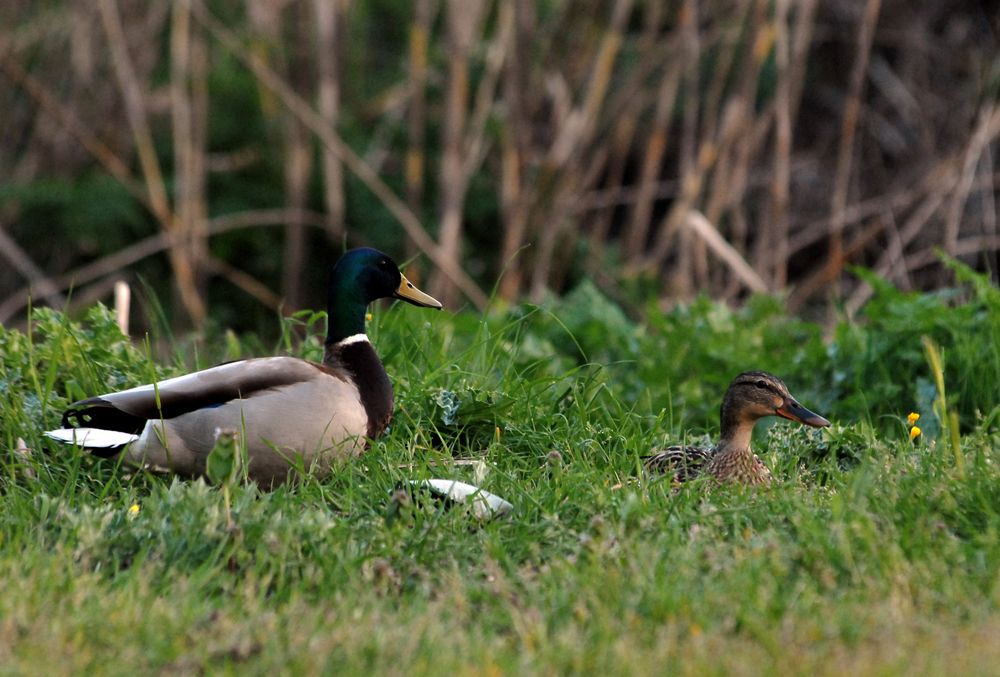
x: 329, y: 17
x: 184, y: 268
x: 19, y: 258
x: 710, y: 235
x: 315, y: 123
x: 155, y: 244
x: 849, y: 123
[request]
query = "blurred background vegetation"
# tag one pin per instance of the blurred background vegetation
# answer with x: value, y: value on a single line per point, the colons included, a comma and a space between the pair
x: 224, y: 153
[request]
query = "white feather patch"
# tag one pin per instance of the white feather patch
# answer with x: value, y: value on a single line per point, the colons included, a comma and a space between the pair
x: 92, y: 438
x: 484, y: 504
x: 353, y: 338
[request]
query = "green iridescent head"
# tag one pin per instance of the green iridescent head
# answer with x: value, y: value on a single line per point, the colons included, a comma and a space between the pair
x: 361, y: 276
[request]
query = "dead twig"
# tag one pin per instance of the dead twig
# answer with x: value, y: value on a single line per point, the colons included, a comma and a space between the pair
x: 67, y: 119
x: 845, y: 153
x: 19, y: 258
x: 709, y: 234
x: 150, y: 246
x: 243, y: 280
x: 983, y: 135
x: 574, y: 136
x: 184, y: 268
x: 463, y: 22
x: 329, y: 31
x: 312, y: 120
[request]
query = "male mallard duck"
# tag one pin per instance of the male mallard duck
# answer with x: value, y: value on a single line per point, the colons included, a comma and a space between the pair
x: 289, y: 412
x: 752, y: 395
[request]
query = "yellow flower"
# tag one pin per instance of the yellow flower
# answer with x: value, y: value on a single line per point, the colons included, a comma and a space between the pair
x: 914, y: 432
x: 369, y: 316
x: 913, y: 418
x: 134, y: 510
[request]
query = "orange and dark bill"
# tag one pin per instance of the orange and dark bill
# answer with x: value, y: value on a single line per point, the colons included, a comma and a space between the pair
x: 794, y: 411
x: 407, y: 292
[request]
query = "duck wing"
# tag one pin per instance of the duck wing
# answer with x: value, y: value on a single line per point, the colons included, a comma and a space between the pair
x: 128, y: 411
x: 684, y: 462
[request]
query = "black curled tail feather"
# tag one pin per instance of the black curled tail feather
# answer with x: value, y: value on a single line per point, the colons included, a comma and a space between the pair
x: 98, y: 413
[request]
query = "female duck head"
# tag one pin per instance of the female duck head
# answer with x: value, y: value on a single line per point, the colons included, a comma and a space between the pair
x: 756, y: 394
x: 361, y: 276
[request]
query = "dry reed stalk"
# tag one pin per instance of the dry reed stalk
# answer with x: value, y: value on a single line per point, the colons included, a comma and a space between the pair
x: 299, y: 156
x: 298, y: 168
x: 680, y: 277
x: 652, y: 161
x: 690, y: 55
x: 131, y: 90
x: 514, y: 144
x: 802, y: 33
x: 729, y: 174
x: 83, y: 297
x: 188, y: 104
x: 698, y: 225
x: 985, y: 133
x: 69, y: 121
x: 930, y: 201
x: 989, y: 221
x: 575, y: 134
x: 762, y: 182
x: 463, y: 141
x: 150, y: 246
x: 627, y: 107
x: 895, y: 253
x: 749, y: 141
x: 845, y: 152
x: 23, y: 263
x: 463, y: 22
x: 810, y: 233
x: 330, y: 18
x: 497, y: 52
x: 407, y: 219
x: 777, y: 214
x: 691, y: 186
x: 135, y: 110
x: 242, y: 280
x: 968, y: 246
x: 622, y: 140
x: 910, y: 230
x: 123, y: 305
x: 955, y: 190
x: 590, y: 167
x: 271, y: 23
x: 416, y: 115
x: 725, y: 191
x: 726, y: 44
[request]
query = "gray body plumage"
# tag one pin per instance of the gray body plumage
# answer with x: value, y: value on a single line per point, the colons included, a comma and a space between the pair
x: 287, y: 412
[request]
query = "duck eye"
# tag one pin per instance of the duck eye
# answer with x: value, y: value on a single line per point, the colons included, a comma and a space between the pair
x: 762, y: 384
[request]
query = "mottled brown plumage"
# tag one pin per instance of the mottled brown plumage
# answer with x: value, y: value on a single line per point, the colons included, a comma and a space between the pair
x: 751, y: 396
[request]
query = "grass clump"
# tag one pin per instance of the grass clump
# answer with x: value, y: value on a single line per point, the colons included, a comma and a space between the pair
x: 872, y: 553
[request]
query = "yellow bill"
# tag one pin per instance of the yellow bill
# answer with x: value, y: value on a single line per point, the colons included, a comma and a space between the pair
x: 407, y: 292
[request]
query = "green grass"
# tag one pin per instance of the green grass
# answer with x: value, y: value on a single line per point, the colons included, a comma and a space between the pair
x: 871, y: 554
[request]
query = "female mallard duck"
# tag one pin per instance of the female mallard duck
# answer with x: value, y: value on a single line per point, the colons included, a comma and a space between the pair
x: 752, y: 395
x: 290, y: 412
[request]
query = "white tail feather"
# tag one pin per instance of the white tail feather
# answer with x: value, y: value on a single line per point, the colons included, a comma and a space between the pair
x: 484, y: 504
x: 92, y: 438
